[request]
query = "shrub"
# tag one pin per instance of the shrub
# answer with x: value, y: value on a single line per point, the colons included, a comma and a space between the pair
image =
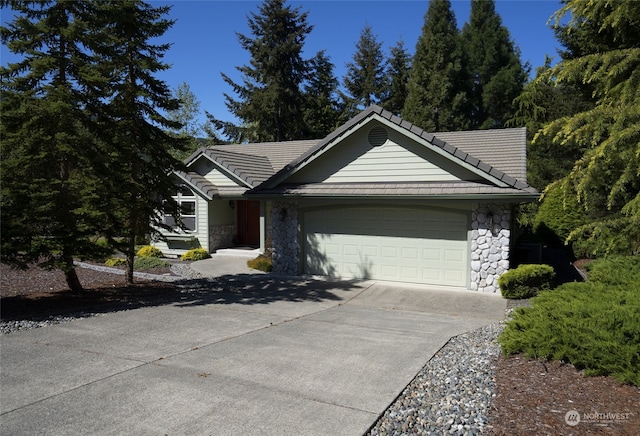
x: 149, y: 251
x: 616, y: 270
x: 142, y: 263
x: 116, y: 261
x: 195, y: 254
x: 525, y: 281
x: 594, y: 325
x: 261, y: 263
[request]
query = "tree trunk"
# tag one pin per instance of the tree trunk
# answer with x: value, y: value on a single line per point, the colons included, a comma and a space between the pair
x: 71, y: 276
x: 131, y: 246
x: 131, y: 253
x: 72, y: 280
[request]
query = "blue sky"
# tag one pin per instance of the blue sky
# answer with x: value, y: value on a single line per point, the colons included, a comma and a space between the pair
x: 204, y: 41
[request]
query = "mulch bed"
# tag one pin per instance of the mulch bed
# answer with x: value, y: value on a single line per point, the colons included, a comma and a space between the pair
x: 37, y: 294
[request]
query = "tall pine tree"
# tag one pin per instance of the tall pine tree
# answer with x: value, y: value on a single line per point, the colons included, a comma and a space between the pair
x: 437, y: 98
x: 322, y: 112
x: 398, y: 69
x: 495, y: 71
x: 49, y: 191
x: 270, y: 100
x: 365, y: 80
x: 138, y: 143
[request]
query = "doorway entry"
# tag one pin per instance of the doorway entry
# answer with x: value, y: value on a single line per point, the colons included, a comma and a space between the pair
x: 248, y: 223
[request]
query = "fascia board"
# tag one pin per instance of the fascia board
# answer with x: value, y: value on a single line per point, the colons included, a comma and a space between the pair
x: 511, y: 198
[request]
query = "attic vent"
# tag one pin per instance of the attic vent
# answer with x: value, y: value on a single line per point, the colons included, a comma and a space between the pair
x: 378, y: 136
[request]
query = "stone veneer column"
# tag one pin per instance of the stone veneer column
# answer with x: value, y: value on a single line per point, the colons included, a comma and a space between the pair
x: 221, y: 236
x: 490, y: 241
x: 284, y: 228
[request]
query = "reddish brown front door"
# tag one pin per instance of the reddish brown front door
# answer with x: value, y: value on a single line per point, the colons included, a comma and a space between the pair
x: 249, y: 223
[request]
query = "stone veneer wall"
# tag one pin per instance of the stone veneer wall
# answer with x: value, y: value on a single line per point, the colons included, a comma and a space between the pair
x: 221, y: 236
x: 490, y: 245
x: 284, y: 228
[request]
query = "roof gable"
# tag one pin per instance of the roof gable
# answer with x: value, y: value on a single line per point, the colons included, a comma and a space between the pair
x: 454, y: 161
x: 393, y: 158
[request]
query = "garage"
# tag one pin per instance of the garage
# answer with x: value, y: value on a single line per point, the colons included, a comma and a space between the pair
x: 416, y: 245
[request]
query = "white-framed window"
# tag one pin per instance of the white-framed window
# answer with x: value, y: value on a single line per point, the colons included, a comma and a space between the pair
x: 186, y: 199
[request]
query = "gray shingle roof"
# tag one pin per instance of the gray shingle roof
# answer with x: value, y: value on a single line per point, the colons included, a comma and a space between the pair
x: 206, y: 188
x: 279, y: 154
x: 491, y: 154
x: 499, y: 153
x: 500, y: 148
x: 251, y: 169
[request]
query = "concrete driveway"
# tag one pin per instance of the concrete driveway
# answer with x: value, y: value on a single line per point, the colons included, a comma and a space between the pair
x: 244, y: 354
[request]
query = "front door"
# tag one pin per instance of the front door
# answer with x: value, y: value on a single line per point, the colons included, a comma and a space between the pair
x: 249, y: 223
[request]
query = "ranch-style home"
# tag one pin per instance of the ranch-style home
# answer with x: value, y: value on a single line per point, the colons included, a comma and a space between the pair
x: 378, y: 198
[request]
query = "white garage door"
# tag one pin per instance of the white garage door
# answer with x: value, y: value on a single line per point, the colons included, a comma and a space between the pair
x: 397, y: 244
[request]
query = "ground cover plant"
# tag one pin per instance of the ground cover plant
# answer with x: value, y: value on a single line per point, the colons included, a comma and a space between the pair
x: 195, y: 254
x: 593, y: 325
x: 139, y: 263
x: 261, y: 263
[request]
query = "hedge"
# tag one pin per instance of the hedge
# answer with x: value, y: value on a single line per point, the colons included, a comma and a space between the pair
x: 525, y: 281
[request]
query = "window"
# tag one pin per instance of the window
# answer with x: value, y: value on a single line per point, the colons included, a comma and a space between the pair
x: 186, y: 199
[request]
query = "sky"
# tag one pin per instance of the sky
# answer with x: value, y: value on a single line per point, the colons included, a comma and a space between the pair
x: 205, y: 44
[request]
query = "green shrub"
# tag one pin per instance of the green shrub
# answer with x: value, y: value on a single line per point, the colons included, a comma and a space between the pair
x: 261, y: 263
x: 525, y: 281
x: 149, y: 251
x: 593, y: 325
x: 142, y: 263
x: 195, y: 254
x: 616, y: 270
x: 116, y: 261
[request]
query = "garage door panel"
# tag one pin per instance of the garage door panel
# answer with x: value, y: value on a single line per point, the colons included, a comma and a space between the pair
x: 398, y: 244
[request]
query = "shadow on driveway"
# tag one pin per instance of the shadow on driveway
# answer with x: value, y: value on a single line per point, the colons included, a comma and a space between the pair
x: 249, y: 289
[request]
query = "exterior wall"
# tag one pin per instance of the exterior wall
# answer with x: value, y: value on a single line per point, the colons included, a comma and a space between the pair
x: 490, y: 242
x: 222, y: 225
x: 284, y: 228
x: 202, y: 221
x: 218, y: 179
x: 398, y: 159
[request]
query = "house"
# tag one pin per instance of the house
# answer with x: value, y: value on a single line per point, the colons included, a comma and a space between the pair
x: 377, y: 198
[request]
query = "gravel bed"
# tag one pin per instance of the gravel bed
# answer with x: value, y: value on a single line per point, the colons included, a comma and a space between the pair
x: 452, y: 393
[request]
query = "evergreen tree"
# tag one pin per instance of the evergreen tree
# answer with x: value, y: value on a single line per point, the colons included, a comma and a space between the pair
x: 322, y: 113
x: 398, y: 70
x: 365, y: 79
x: 495, y: 71
x: 138, y: 144
x: 270, y: 100
x: 187, y: 116
x: 49, y: 191
x: 606, y: 178
x: 437, y: 98
x: 541, y: 102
